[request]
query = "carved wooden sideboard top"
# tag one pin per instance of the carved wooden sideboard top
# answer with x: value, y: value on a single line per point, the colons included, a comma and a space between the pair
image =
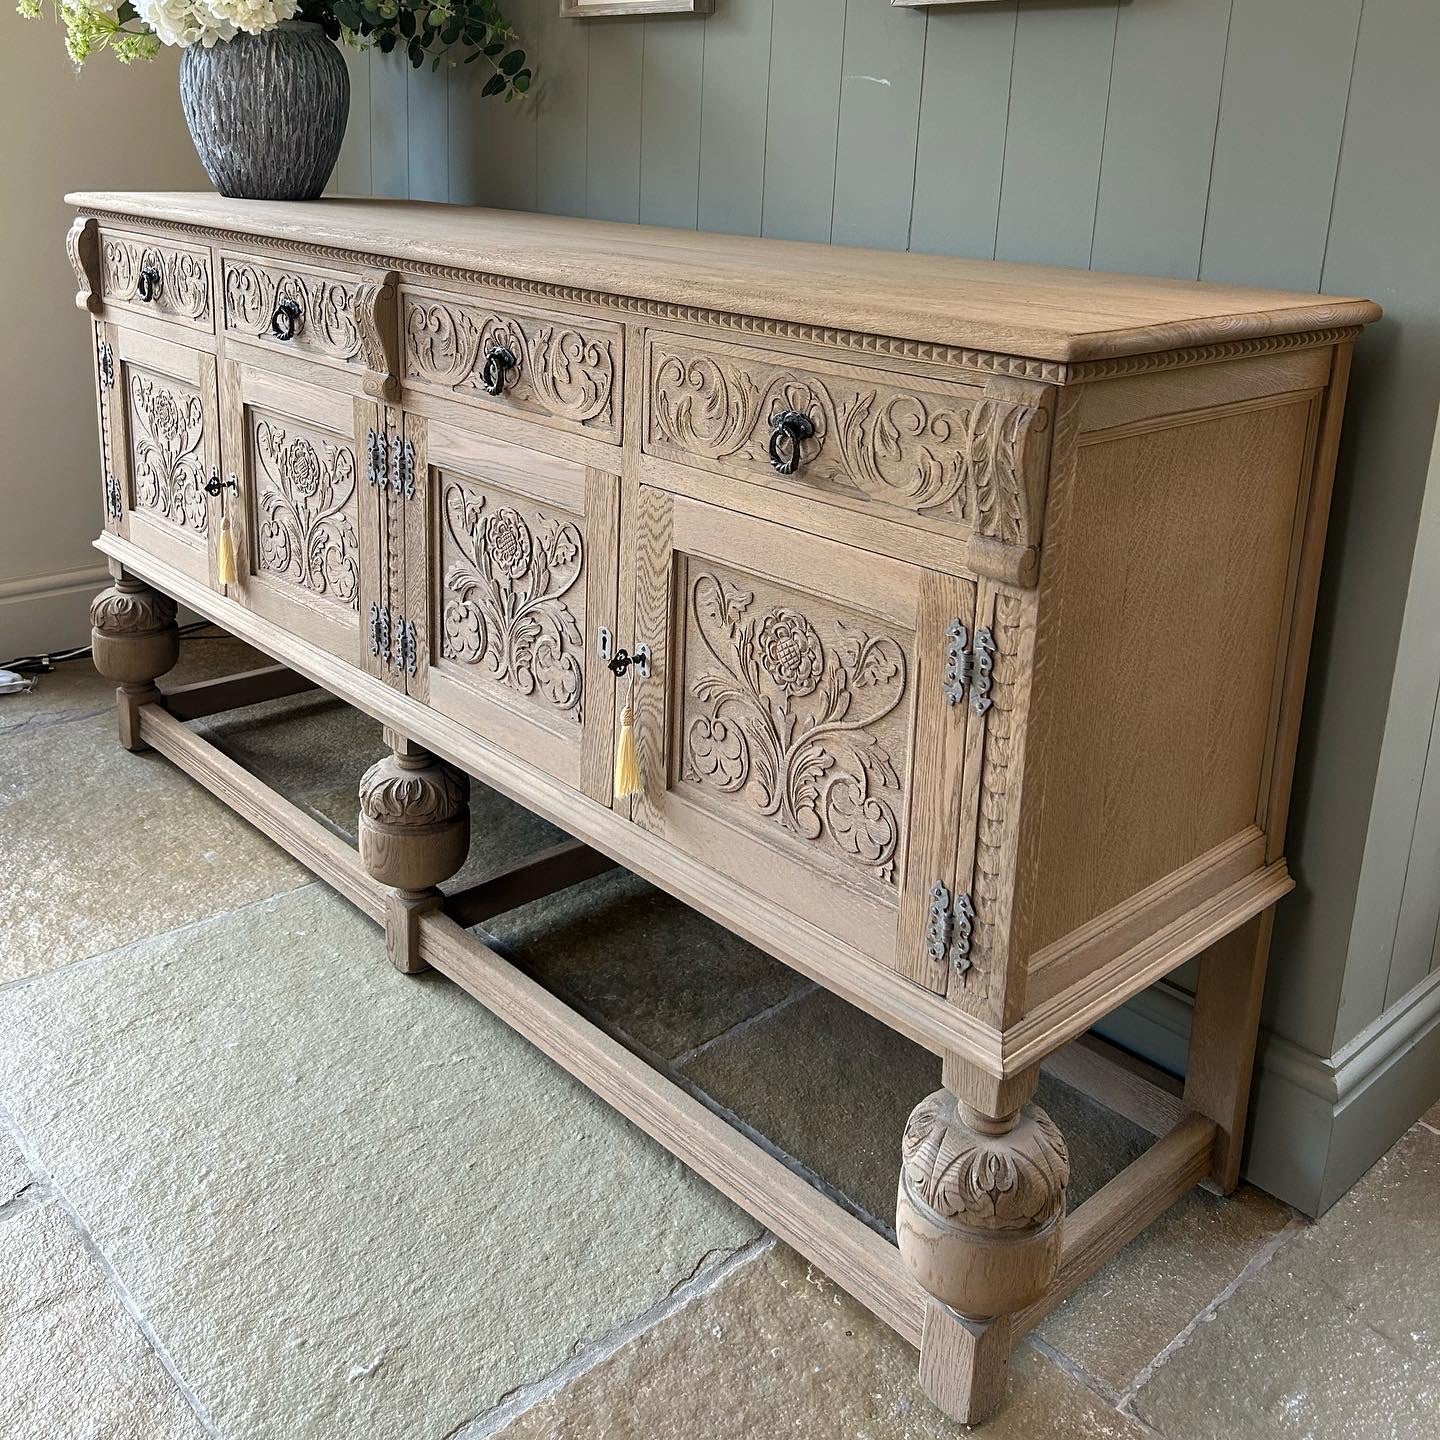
x: 1040, y: 314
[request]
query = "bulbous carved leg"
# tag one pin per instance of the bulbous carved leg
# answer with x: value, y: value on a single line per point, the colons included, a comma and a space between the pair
x: 134, y: 640
x: 978, y: 1220
x: 414, y: 833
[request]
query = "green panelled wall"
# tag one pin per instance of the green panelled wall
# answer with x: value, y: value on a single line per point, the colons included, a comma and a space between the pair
x: 1280, y: 142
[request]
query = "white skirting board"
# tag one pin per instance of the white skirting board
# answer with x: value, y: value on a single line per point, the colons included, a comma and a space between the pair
x: 48, y: 612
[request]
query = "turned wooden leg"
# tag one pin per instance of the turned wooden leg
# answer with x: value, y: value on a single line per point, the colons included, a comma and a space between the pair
x: 978, y: 1218
x: 414, y: 833
x: 1223, y: 1036
x: 134, y: 640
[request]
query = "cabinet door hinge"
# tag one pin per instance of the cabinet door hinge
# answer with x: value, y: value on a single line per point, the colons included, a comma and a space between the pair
x: 380, y: 631
x: 406, y: 646
x: 114, y: 505
x: 947, y: 937
x: 967, y: 667
x: 377, y: 454
x: 402, y: 472
x: 107, y: 365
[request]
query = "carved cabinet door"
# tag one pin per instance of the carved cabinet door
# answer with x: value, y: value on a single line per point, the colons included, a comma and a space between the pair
x: 160, y: 432
x: 307, y: 520
x: 510, y: 575
x: 795, y: 732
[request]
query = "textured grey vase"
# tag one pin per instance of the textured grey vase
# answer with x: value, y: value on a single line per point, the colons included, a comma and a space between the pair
x: 267, y: 112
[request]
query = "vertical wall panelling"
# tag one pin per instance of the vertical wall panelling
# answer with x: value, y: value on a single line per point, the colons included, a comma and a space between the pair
x: 1281, y: 115
x: 1420, y: 906
x: 738, y: 61
x: 1160, y: 136
x: 670, y: 127
x: 352, y: 169
x: 617, y: 60
x: 879, y: 121
x: 1384, y: 235
x: 428, y: 132
x: 803, y: 112
x: 389, y: 124
x: 560, y: 99
x: 1058, y: 96
x: 492, y: 144
x: 964, y: 109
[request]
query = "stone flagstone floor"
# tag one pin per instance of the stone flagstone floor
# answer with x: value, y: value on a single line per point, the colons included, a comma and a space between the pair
x: 255, y: 1184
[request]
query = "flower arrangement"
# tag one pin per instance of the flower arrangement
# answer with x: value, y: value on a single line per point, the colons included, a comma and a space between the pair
x: 444, y: 31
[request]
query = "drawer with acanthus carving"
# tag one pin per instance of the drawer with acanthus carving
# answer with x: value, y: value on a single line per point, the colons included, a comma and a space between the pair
x: 292, y: 307
x: 164, y: 279
x: 548, y: 367
x: 938, y: 453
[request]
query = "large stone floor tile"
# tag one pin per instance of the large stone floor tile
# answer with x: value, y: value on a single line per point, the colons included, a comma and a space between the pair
x: 73, y: 1363
x: 659, y: 972
x: 778, y: 1350
x: 1162, y: 1280
x: 350, y: 1203
x: 833, y: 1088
x: 99, y: 847
x: 1338, y: 1337
x: 75, y: 688
x: 313, y: 749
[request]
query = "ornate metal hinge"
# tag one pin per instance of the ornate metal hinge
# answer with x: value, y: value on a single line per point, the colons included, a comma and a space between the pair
x: 402, y: 472
x: 380, y: 631
x: 377, y: 456
x: 114, y: 505
x: 106, y: 362
x: 406, y: 646
x: 947, y: 937
x: 965, y: 667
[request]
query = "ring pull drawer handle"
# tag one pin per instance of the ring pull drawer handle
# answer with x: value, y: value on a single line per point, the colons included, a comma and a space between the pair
x: 287, y: 319
x: 789, y: 429
x: 148, y: 283
x: 499, y: 362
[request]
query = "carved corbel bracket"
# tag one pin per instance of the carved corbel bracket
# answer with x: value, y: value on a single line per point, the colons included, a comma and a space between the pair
x: 377, y: 316
x: 1009, y: 439
x: 82, y: 244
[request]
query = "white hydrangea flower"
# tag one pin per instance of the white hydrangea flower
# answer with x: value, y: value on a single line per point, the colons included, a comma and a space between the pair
x: 185, y: 22
x: 252, y: 16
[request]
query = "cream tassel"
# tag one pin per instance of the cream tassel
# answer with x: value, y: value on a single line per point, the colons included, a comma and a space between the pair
x: 225, y: 556
x: 627, y: 761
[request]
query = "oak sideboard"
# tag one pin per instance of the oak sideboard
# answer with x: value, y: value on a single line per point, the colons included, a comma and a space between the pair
x: 939, y: 626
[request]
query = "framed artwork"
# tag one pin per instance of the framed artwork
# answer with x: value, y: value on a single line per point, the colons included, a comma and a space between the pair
x: 580, y: 9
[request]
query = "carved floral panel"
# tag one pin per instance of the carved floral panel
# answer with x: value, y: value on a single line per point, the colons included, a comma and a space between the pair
x: 326, y: 323
x: 561, y: 370
x: 184, y: 277
x: 795, y: 718
x: 944, y: 454
x: 305, y: 506
x: 167, y: 449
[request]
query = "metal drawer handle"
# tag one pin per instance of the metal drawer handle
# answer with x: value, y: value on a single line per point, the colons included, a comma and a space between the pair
x: 148, y: 283
x: 789, y: 429
x: 215, y: 485
x: 499, y: 362
x: 287, y: 319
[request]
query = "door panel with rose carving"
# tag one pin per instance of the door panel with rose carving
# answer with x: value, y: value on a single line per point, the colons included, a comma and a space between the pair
x: 161, y: 425
x: 795, y: 732
x: 307, y: 521
x: 516, y: 548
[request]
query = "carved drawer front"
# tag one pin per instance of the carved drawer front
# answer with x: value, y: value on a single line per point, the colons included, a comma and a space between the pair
x: 164, y: 280
x: 510, y: 574
x: 160, y: 430
x: 292, y: 308
x: 308, y: 524
x: 960, y: 458
x: 554, y: 368
x: 795, y: 732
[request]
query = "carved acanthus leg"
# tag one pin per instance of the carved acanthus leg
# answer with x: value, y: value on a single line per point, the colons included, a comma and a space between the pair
x: 134, y: 640
x: 978, y: 1218
x: 414, y: 833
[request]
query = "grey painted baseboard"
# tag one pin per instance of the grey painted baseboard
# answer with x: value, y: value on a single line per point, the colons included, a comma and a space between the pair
x: 1317, y: 1123
x: 48, y: 612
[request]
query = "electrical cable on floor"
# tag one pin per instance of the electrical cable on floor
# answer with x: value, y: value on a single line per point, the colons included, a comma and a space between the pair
x: 18, y: 674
